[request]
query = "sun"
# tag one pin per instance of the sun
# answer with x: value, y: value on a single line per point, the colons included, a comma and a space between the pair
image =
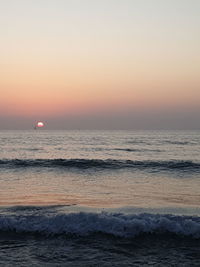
x: 40, y: 124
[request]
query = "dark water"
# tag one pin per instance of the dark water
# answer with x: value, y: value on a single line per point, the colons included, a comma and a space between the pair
x: 99, y: 198
x: 98, y: 250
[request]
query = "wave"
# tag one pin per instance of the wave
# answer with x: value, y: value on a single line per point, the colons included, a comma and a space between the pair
x: 34, y: 149
x: 137, y: 150
x: 161, y: 142
x: 136, y: 142
x: 128, y: 149
x: 81, y: 224
x: 101, y: 164
x: 178, y: 142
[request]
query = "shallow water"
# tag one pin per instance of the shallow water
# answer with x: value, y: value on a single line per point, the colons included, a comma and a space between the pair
x: 90, y: 198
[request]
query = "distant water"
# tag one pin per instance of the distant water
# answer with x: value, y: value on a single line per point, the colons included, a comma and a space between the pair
x: 91, y: 198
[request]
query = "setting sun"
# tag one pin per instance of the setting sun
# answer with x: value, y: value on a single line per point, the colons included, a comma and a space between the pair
x: 40, y: 124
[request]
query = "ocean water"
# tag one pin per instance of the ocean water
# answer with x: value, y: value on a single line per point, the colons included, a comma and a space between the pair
x: 99, y: 198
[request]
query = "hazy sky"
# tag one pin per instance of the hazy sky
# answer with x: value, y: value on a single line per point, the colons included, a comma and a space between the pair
x: 97, y: 64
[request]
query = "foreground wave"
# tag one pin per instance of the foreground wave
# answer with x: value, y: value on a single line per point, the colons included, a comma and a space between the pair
x: 101, y: 164
x: 121, y: 225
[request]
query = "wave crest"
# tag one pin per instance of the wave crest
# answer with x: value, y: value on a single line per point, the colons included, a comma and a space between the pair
x: 101, y: 164
x: 115, y: 224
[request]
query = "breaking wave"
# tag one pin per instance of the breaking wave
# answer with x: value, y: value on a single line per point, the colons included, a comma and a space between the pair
x: 101, y: 164
x: 120, y: 225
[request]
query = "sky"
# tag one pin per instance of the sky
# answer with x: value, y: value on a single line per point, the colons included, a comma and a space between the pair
x: 91, y: 64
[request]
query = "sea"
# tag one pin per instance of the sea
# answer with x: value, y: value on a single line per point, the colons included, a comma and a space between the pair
x: 99, y: 198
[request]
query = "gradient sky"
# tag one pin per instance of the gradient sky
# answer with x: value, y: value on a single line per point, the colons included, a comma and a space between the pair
x: 100, y: 64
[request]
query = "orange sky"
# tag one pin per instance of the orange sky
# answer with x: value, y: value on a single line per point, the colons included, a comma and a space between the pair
x: 81, y: 57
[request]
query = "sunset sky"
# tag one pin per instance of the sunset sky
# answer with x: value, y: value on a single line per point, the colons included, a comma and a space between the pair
x: 100, y: 64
